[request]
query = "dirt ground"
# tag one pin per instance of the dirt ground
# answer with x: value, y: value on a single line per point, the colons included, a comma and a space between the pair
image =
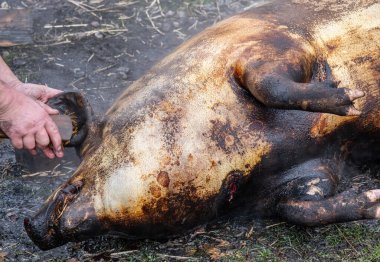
x: 99, y: 47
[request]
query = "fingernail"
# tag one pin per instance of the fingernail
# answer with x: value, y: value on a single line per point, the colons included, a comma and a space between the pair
x: 59, y: 152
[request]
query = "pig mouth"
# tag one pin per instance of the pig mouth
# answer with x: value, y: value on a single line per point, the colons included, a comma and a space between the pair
x: 44, y: 228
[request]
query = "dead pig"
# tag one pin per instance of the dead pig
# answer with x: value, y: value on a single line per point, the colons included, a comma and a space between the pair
x: 259, y: 112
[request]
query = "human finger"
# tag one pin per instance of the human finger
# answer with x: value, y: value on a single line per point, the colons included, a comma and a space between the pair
x: 17, y: 142
x: 29, y: 142
x: 55, y: 138
x: 42, y: 138
x: 48, y: 152
x: 33, y: 152
x: 47, y: 92
x: 50, y: 92
x: 48, y: 109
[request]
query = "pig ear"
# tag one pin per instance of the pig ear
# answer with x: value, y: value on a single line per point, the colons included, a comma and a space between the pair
x: 77, y: 107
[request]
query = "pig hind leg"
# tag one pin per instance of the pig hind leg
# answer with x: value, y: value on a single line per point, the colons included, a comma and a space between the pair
x: 314, y: 201
x: 295, y: 85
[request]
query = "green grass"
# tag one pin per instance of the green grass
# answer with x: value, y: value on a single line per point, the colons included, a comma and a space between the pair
x: 342, y: 242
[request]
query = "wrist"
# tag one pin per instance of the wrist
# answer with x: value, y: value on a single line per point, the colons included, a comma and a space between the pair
x: 8, y: 98
x: 14, y: 83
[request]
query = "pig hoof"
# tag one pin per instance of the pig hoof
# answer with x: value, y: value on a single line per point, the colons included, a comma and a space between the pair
x: 372, y: 209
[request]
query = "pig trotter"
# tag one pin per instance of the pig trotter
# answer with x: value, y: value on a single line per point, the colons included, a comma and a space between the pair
x: 281, y: 92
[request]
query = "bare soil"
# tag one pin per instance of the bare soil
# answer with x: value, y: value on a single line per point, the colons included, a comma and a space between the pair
x: 99, y: 47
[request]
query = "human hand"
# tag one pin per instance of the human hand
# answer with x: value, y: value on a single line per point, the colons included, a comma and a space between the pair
x: 39, y: 92
x: 27, y: 123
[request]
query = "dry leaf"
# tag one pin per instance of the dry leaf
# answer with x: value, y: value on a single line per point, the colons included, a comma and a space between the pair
x: 4, y: 5
x: 2, y: 256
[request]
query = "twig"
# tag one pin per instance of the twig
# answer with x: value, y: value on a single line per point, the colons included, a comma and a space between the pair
x: 81, y: 5
x: 95, y: 31
x: 218, y: 10
x: 160, y: 7
x: 152, y: 23
x: 176, y: 257
x: 54, y: 44
x: 120, y: 254
x: 65, y: 26
x: 257, y: 4
x: 90, y: 58
x: 76, y: 81
x: 345, y: 238
x: 104, y: 68
x: 97, y: 88
x: 41, y: 174
x: 193, y: 26
x: 180, y: 35
x: 274, y: 225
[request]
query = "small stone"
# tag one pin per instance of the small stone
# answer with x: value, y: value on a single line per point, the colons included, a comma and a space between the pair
x: 99, y: 35
x: 3, y: 255
x: 166, y: 27
x: 4, y: 5
x: 78, y: 72
x: 12, y: 216
x: 5, y: 54
x: 95, y: 24
x: 181, y: 13
x: 123, y: 72
x: 175, y: 24
x: 170, y: 13
x: 123, y: 69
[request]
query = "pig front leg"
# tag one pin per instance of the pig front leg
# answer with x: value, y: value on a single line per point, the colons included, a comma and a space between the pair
x: 345, y: 207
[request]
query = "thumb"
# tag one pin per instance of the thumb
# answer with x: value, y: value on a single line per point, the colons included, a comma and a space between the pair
x: 48, y: 109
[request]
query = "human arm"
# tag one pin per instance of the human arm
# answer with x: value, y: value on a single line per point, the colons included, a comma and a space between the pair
x: 39, y: 92
x: 24, y: 116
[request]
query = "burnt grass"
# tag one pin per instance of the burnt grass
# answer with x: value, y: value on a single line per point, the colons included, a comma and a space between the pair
x: 114, y: 43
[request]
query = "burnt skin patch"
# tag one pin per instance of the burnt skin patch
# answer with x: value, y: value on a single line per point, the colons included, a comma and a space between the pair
x: 363, y: 59
x: 229, y: 140
x: 170, y: 116
x: 163, y: 179
x: 279, y: 41
x: 225, y: 136
x: 155, y: 191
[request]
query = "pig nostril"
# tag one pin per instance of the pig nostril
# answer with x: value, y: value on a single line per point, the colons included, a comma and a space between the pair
x: 27, y: 222
x: 28, y: 226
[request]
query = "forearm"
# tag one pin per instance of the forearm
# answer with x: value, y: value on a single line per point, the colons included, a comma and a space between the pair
x: 7, y: 77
